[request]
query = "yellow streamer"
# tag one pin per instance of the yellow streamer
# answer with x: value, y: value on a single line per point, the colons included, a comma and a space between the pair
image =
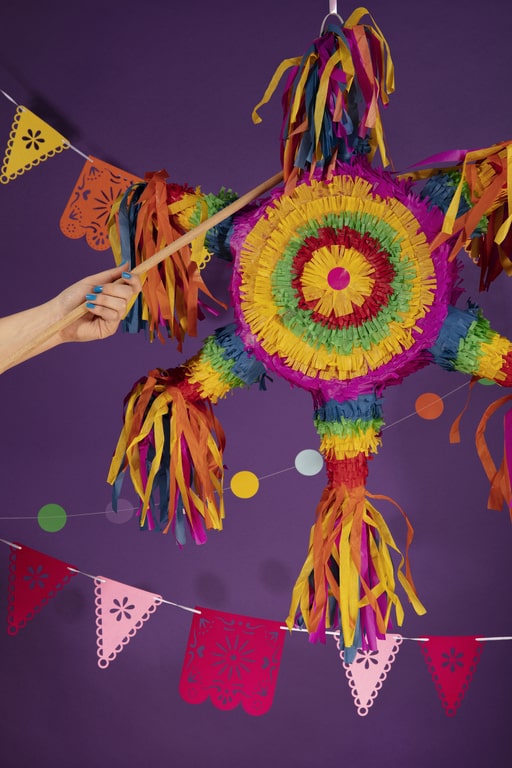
x: 269, y: 92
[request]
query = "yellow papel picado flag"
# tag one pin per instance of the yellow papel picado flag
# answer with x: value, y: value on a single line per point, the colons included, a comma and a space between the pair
x: 31, y: 141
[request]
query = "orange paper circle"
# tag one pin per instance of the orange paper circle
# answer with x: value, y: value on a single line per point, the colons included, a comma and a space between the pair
x: 429, y: 406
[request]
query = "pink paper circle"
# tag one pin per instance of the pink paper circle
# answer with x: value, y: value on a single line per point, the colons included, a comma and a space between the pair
x: 124, y: 512
x: 338, y: 278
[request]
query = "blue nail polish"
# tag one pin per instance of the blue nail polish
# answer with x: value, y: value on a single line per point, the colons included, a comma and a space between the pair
x: 91, y: 296
x: 98, y: 288
x: 127, y: 275
x: 90, y: 305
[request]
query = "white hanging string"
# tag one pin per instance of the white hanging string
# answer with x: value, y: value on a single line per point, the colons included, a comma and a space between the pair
x: 9, y: 97
x: 10, y: 544
x: 86, y: 157
x: 158, y: 599
x: 83, y: 573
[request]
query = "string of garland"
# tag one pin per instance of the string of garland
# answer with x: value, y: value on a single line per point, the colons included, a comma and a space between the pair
x: 189, y: 609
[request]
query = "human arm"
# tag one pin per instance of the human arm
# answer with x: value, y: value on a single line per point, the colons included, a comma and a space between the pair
x: 107, y: 294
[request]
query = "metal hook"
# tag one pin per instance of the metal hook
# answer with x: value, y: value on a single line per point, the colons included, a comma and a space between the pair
x: 333, y: 11
x: 322, y: 28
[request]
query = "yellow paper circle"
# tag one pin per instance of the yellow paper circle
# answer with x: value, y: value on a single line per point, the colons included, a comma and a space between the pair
x: 244, y: 484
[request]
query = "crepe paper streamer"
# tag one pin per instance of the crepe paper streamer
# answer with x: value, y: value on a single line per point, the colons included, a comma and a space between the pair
x: 429, y: 406
x: 244, y: 484
x: 28, y: 349
x: 309, y: 462
x: 120, y: 612
x: 440, y: 190
x: 331, y: 98
x: 368, y: 671
x: 34, y: 578
x: 499, y: 479
x: 455, y: 427
x: 52, y: 518
x: 348, y: 581
x: 149, y: 216
x: 452, y: 662
x: 233, y: 660
x: 216, y: 241
x: 475, y: 196
x: 124, y: 513
x: 485, y: 180
x: 31, y: 141
x: 88, y: 209
x: 173, y: 444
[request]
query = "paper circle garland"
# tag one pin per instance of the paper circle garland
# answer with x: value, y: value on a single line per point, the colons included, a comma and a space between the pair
x: 335, y: 286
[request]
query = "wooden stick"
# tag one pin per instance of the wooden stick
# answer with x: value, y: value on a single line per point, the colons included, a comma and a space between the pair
x: 29, y: 349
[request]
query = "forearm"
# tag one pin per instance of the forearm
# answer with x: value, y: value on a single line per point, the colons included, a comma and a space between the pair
x: 19, y: 330
x: 88, y: 310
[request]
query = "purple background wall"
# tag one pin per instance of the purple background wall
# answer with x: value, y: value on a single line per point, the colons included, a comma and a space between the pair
x: 168, y: 84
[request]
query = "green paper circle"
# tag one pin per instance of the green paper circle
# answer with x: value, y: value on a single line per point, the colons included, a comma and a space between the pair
x: 52, y: 518
x: 486, y: 382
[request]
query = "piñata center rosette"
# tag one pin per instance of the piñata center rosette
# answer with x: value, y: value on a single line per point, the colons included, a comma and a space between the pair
x: 335, y: 287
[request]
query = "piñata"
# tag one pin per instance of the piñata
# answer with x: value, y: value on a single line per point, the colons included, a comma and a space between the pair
x: 345, y: 281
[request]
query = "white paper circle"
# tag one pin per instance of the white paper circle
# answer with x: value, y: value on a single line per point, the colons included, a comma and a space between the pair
x: 309, y: 462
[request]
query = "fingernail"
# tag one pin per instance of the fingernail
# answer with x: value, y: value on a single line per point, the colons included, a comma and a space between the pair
x: 90, y: 305
x: 91, y: 296
x: 127, y: 275
x: 98, y: 288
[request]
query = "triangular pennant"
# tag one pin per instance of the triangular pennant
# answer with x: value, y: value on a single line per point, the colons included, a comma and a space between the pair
x: 232, y: 660
x: 34, y: 578
x: 88, y: 209
x: 120, y: 612
x: 31, y: 141
x: 451, y: 662
x: 369, y: 670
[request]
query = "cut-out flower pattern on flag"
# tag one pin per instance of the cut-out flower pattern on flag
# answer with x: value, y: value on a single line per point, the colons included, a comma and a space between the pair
x: 369, y: 670
x: 31, y: 141
x: 89, y: 206
x: 121, y: 609
x: 452, y: 662
x: 232, y: 660
x: 120, y: 612
x: 34, y: 578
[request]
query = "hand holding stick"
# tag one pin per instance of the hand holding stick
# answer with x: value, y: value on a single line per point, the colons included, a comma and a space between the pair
x: 41, y: 341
